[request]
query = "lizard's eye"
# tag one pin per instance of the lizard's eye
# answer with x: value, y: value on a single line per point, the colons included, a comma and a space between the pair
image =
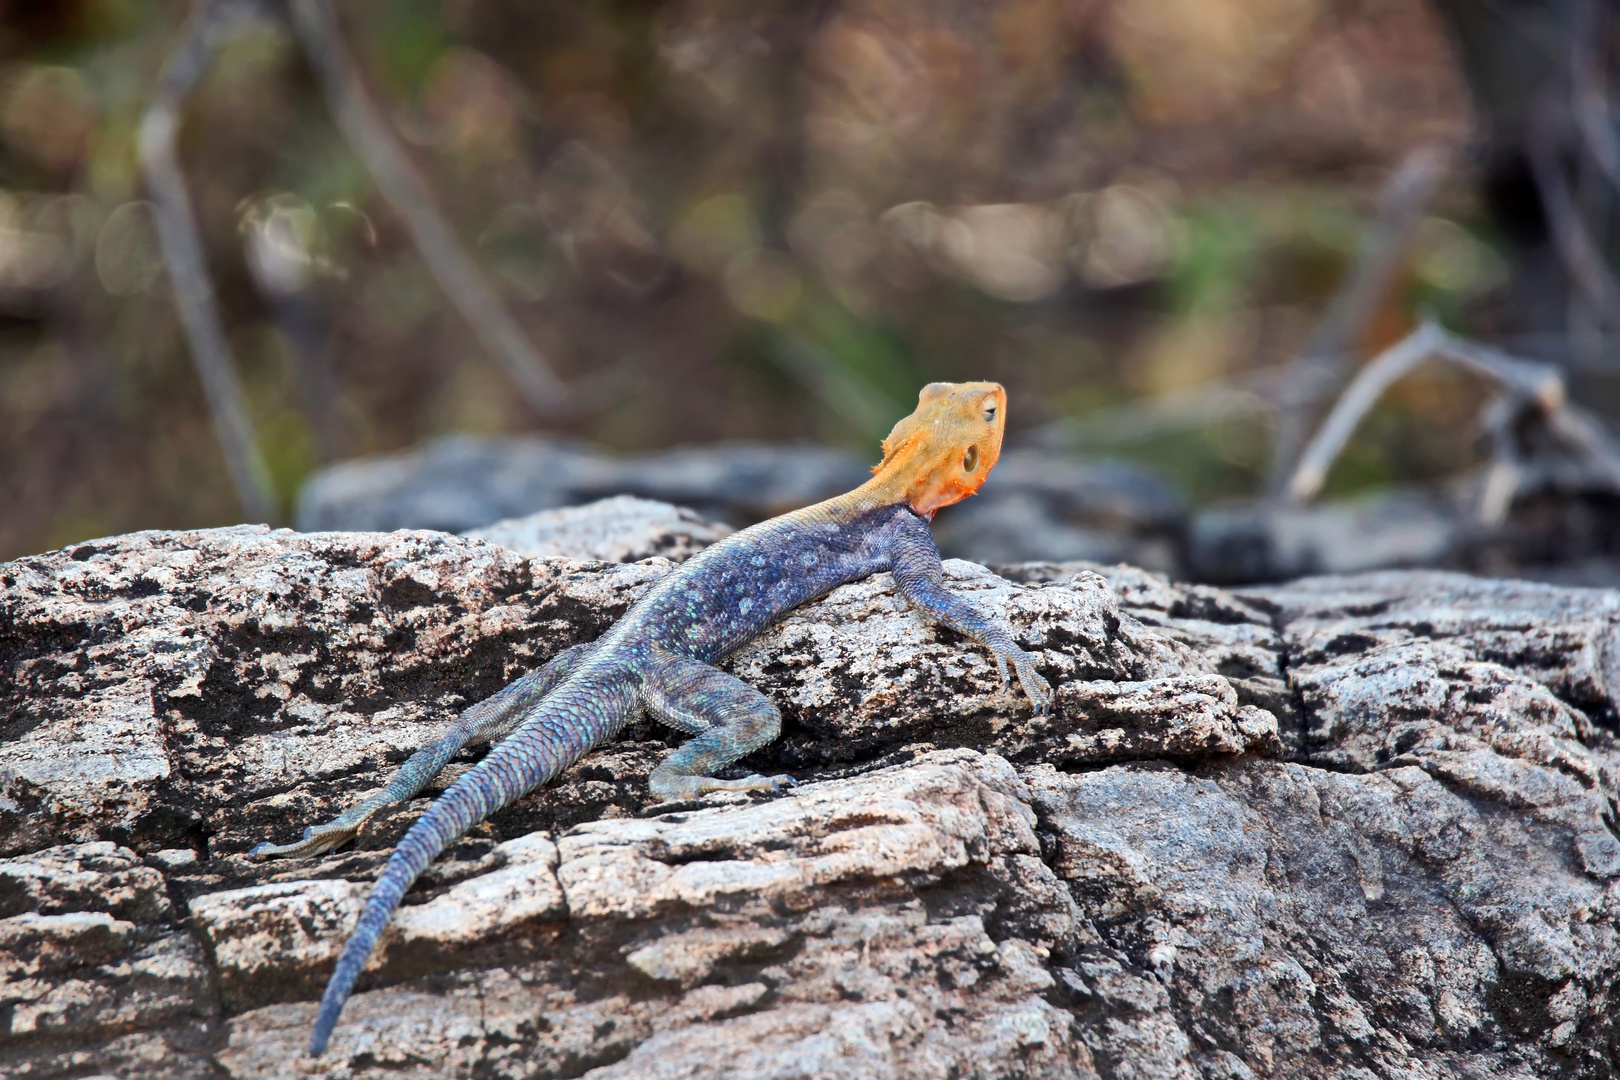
x: 970, y: 460
x: 989, y: 412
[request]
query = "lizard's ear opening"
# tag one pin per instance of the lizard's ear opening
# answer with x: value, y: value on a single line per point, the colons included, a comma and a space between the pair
x: 970, y: 460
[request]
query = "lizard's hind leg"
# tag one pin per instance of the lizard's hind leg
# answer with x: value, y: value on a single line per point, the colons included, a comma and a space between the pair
x: 727, y: 717
x: 489, y: 720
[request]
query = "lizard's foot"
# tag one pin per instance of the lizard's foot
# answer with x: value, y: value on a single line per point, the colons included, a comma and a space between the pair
x: 318, y: 839
x: 1037, y: 688
x: 691, y: 788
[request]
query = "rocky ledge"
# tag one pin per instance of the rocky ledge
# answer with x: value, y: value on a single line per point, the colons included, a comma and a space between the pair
x: 1349, y: 827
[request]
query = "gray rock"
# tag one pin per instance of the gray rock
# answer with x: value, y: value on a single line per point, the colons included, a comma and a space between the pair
x: 620, y: 529
x: 1565, y: 638
x: 463, y: 482
x: 1048, y: 506
x: 1347, y: 827
x: 231, y: 647
x: 1254, y: 542
x: 454, y: 483
x: 1556, y: 536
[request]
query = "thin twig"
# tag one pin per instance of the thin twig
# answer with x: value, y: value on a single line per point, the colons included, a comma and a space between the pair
x: 368, y: 134
x: 1592, y: 114
x: 1527, y: 383
x: 279, y: 261
x: 183, y: 254
x: 1587, y: 95
x: 1582, y: 431
x: 1379, y: 257
x: 1505, y: 474
x: 1581, y: 256
x: 1531, y: 379
x: 1368, y: 386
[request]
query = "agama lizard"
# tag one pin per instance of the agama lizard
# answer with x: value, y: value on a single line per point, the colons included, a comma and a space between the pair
x: 659, y: 657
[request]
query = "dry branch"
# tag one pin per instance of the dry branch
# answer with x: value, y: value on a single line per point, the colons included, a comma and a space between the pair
x: 1525, y: 384
x: 1362, y: 394
x: 367, y: 132
x: 1383, y: 248
x: 1505, y: 474
x: 1597, y: 128
x: 1580, y: 254
x: 182, y: 249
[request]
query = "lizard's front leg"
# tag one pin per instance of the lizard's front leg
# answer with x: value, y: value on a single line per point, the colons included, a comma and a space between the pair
x: 490, y: 719
x: 728, y: 718
x: 914, y: 560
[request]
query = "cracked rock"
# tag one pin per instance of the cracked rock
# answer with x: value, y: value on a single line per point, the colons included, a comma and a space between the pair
x: 621, y: 529
x: 1345, y: 827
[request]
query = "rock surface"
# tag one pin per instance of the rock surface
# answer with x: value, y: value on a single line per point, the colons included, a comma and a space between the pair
x: 1346, y: 827
x: 621, y: 529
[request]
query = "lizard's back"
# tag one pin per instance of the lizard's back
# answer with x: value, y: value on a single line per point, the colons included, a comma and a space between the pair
x: 722, y: 598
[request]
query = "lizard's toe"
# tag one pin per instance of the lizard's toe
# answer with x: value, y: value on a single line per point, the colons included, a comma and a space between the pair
x: 757, y: 782
x: 680, y: 788
x: 1036, y: 688
x: 316, y: 841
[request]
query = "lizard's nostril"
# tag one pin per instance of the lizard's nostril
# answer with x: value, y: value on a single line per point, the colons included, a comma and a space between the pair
x: 970, y: 460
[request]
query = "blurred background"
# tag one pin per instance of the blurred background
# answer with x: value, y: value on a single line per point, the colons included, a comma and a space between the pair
x: 526, y: 249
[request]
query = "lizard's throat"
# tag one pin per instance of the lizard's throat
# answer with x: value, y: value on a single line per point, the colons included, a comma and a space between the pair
x: 924, y: 493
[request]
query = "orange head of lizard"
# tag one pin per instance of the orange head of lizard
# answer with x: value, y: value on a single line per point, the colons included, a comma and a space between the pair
x: 942, y: 453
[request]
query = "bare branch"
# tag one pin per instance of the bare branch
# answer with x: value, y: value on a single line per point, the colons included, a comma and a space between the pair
x: 368, y: 134
x: 1357, y: 400
x: 1505, y: 474
x: 1526, y: 384
x: 1582, y: 431
x: 280, y: 263
x: 1597, y: 128
x: 1529, y: 379
x: 1589, y: 100
x: 183, y: 254
x: 1579, y: 253
x: 1383, y: 248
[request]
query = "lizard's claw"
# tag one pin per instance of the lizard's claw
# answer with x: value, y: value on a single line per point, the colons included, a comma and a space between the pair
x: 1037, y: 688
